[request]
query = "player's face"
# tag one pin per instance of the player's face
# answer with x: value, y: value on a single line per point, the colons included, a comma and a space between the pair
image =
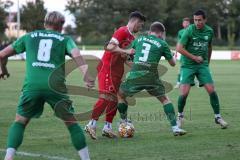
x: 138, y: 25
x: 199, y: 21
x: 185, y: 24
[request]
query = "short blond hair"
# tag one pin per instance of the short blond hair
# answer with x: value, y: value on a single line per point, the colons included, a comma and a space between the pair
x: 54, y: 18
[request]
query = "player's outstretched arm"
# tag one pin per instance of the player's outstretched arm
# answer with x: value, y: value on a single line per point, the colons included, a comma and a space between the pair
x: 184, y: 52
x: 83, y: 67
x: 113, y: 47
x: 209, y: 52
x: 172, y: 61
x: 4, y: 54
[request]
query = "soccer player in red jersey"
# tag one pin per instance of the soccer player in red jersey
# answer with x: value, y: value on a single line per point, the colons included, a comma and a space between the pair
x: 110, y: 72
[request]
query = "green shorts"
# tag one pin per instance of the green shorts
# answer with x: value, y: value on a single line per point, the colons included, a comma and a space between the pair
x: 201, y: 72
x: 31, y: 104
x: 152, y: 84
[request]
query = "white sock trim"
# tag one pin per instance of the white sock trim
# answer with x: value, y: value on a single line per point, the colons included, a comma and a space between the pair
x: 93, y: 123
x: 83, y: 153
x: 217, y: 115
x: 108, y: 125
x: 180, y: 114
x: 174, y: 127
x: 10, y: 153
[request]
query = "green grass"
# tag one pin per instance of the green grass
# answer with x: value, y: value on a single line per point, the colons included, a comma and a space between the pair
x: 153, y: 139
x: 100, y: 47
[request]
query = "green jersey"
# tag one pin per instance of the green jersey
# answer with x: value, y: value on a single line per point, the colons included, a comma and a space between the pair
x: 45, y: 52
x: 180, y: 33
x: 148, y: 52
x: 196, y: 41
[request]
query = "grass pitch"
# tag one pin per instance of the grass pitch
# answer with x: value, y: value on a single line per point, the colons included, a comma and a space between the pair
x: 153, y: 139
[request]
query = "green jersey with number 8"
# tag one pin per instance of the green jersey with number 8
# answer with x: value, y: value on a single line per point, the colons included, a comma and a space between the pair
x: 45, y: 52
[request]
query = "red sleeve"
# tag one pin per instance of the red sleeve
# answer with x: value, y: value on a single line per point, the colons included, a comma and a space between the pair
x: 120, y: 35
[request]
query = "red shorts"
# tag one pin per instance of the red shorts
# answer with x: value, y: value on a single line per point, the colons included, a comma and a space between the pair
x: 108, y: 83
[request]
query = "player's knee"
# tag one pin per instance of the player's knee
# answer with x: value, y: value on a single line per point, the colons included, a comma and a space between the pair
x: 164, y: 100
x: 22, y: 119
x: 108, y: 97
x: 69, y: 123
x: 210, y: 88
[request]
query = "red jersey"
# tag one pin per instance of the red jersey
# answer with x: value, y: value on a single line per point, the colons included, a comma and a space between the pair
x: 113, y: 62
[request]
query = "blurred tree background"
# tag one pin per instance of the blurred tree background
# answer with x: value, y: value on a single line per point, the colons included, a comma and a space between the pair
x: 96, y: 20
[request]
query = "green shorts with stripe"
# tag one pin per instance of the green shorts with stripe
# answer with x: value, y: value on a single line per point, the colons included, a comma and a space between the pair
x: 202, y: 72
x: 31, y: 104
x: 149, y: 82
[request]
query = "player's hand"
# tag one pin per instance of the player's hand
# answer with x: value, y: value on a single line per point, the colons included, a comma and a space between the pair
x: 198, y: 59
x: 130, y: 51
x: 89, y: 82
x: 3, y: 69
x: 4, y: 72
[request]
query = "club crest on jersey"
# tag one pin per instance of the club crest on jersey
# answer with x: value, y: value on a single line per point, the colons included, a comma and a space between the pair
x: 206, y: 37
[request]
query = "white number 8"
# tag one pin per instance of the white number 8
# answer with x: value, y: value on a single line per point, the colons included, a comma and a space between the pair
x: 44, y: 50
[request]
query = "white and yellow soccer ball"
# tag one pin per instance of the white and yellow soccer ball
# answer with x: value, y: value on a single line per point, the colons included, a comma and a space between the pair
x: 126, y: 130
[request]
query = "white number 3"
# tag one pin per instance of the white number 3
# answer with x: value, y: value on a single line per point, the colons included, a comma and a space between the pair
x: 145, y: 51
x: 44, y: 50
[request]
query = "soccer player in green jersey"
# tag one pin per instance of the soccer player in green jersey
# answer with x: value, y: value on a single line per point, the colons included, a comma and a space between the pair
x: 195, y: 46
x: 45, y: 52
x: 144, y: 74
x: 185, y: 24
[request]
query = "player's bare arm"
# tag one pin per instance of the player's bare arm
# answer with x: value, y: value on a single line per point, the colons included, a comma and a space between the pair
x: 209, y: 52
x: 83, y: 67
x: 4, y: 54
x: 113, y: 47
x: 172, y: 61
x: 180, y: 48
x: 129, y: 63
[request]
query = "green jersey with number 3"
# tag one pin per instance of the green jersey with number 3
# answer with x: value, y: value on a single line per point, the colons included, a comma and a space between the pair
x: 45, y: 52
x: 150, y: 49
x: 196, y: 41
x: 148, y: 52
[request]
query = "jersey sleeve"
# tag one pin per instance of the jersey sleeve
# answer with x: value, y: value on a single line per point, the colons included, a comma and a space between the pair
x: 133, y: 44
x: 118, y: 36
x: 167, y: 52
x: 212, y: 33
x: 19, y: 45
x: 70, y: 45
x: 185, y: 37
x: 179, y: 35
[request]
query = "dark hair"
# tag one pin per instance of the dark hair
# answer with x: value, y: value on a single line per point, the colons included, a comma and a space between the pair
x: 137, y: 14
x: 54, y: 18
x: 157, y: 27
x: 186, y: 19
x: 200, y: 12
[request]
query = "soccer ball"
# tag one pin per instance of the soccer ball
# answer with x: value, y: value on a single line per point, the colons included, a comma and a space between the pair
x: 126, y: 130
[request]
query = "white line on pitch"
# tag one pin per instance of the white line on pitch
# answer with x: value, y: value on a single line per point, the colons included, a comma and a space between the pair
x: 38, y: 155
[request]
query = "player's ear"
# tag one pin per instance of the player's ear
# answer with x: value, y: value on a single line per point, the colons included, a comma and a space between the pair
x: 205, y: 20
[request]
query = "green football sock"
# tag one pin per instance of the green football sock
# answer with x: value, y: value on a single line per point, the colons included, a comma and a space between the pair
x: 122, y: 108
x: 215, y: 102
x: 181, y: 103
x: 15, y: 135
x: 169, y: 111
x: 77, y: 136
